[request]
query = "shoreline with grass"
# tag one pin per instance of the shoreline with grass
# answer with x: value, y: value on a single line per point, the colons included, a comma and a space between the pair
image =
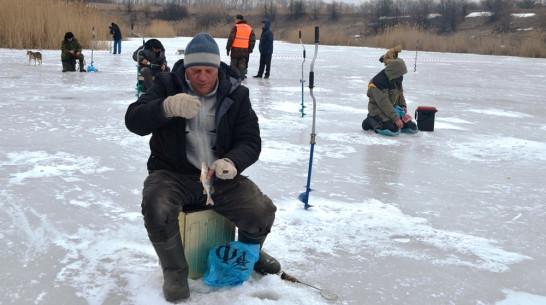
x: 41, y: 24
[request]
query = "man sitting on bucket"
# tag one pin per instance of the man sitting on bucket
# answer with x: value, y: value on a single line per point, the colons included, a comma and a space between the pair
x: 198, y: 113
x: 387, y: 110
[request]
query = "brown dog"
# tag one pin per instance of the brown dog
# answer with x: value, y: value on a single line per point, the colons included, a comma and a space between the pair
x: 37, y: 56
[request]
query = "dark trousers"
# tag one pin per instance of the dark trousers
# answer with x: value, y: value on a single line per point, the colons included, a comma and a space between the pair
x: 376, y: 122
x: 166, y: 193
x: 149, y: 74
x: 265, y: 62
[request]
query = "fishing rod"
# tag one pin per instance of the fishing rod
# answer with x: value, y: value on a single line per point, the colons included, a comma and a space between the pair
x: 138, y: 57
x: 91, y: 68
x: 327, y: 294
x: 302, y: 80
x: 304, y: 197
x: 416, y: 47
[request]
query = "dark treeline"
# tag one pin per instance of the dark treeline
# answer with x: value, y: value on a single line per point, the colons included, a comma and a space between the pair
x: 443, y: 15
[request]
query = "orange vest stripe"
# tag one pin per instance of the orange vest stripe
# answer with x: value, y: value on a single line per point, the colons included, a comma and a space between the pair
x: 242, y: 36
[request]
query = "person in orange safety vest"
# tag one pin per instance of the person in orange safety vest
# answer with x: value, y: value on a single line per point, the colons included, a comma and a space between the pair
x: 240, y: 44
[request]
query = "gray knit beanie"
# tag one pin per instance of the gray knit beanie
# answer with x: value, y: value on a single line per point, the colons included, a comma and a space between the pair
x: 202, y: 50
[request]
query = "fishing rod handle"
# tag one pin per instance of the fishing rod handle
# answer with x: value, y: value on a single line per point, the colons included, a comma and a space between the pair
x: 287, y: 277
x: 311, y: 72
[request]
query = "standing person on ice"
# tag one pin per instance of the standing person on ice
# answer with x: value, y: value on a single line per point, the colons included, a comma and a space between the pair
x: 240, y: 44
x: 266, y: 49
x: 387, y: 110
x: 116, y: 35
x: 199, y: 112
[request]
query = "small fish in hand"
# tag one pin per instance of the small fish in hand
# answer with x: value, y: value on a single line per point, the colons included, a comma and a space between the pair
x: 207, y: 183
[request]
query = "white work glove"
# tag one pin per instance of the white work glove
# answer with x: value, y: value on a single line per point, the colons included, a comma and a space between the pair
x: 181, y: 105
x: 224, y: 169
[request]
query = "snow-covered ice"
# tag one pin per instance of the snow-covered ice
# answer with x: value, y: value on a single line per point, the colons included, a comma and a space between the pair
x: 453, y: 216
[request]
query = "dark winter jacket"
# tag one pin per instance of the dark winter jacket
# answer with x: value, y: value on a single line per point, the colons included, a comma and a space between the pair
x: 240, y: 52
x: 115, y: 31
x: 67, y: 46
x: 385, y: 90
x: 237, y: 129
x: 266, y: 39
x: 146, y: 52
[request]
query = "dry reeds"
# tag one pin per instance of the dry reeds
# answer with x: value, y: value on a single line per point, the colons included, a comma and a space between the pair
x: 189, y: 28
x: 41, y: 24
x: 161, y: 29
x: 525, y: 44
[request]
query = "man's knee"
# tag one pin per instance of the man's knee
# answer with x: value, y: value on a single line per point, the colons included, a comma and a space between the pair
x: 411, y: 125
x: 260, y: 218
x: 390, y: 125
x: 159, y: 201
x: 145, y: 71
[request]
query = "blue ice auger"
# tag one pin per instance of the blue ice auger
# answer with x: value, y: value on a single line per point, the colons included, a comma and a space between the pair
x: 138, y: 85
x: 302, y: 80
x: 91, y: 68
x: 304, y: 197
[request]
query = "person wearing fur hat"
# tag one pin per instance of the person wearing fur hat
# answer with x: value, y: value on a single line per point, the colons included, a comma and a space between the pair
x: 152, y: 60
x: 70, y: 51
x: 199, y: 112
x: 387, y: 109
x: 391, y: 55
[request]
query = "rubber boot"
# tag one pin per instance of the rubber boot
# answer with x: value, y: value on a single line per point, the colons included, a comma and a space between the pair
x: 369, y: 123
x: 173, y: 263
x: 82, y: 68
x: 410, y: 127
x: 65, y: 65
x: 266, y: 263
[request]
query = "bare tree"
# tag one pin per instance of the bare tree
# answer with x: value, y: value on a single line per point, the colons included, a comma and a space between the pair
x: 451, y: 15
x: 333, y: 10
x: 385, y: 8
x: 497, y: 6
x: 316, y: 8
x: 421, y: 12
x: 129, y: 5
x: 269, y: 9
x: 500, y: 10
x: 526, y: 4
x: 297, y: 9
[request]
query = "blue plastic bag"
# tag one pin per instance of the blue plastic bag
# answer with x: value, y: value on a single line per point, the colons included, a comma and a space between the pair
x: 400, y: 111
x: 231, y: 264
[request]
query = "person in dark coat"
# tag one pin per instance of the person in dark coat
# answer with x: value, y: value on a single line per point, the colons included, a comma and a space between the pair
x: 151, y: 59
x: 198, y: 113
x: 70, y: 51
x: 266, y: 49
x: 116, y: 35
x: 387, y: 109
